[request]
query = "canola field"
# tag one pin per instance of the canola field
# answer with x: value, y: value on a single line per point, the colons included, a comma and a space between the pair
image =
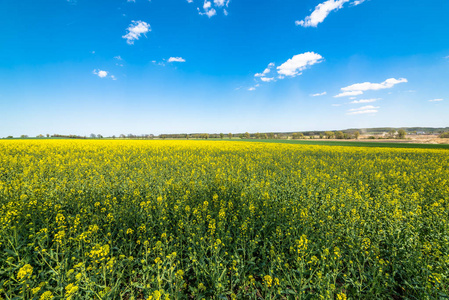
x: 221, y: 220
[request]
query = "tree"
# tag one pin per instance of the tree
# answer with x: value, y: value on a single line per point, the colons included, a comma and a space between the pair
x: 23, y: 136
x: 257, y: 135
x: 329, y: 134
x: 271, y: 135
x: 113, y: 137
x: 443, y: 135
x: 9, y: 137
x: 356, y: 135
x: 339, y: 135
x: 47, y: 135
x: 93, y: 135
x: 122, y: 136
x: 246, y: 135
x: 392, y: 133
x: 265, y: 136
x: 321, y: 135
x: 298, y: 135
x: 401, y: 134
x: 221, y: 135
x: 230, y: 135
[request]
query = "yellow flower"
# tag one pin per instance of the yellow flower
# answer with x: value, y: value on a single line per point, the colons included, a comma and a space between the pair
x: 46, y: 296
x: 35, y: 290
x: 268, y: 280
x: 24, y: 272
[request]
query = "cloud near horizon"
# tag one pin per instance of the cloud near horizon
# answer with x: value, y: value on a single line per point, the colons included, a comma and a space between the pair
x: 369, y: 109
x: 365, y: 101
x: 360, y: 88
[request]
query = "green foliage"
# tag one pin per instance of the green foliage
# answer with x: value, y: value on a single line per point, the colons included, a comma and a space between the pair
x: 444, y: 135
x: 401, y: 134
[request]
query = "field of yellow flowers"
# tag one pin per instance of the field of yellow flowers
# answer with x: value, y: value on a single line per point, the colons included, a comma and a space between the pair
x: 221, y: 220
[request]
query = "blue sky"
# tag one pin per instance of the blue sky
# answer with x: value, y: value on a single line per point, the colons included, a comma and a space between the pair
x: 172, y: 66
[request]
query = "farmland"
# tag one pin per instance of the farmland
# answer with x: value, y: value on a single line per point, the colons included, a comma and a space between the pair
x: 230, y: 220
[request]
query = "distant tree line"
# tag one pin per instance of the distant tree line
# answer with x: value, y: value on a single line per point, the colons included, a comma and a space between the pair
x: 444, y: 135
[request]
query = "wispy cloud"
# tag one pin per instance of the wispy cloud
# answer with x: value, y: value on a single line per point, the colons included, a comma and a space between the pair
x: 135, y: 31
x: 176, y: 59
x: 118, y: 57
x: 295, y: 65
x: 365, y: 101
x: 369, y: 109
x: 360, y: 88
x: 357, y: 2
x: 253, y: 88
x: 319, y: 94
x: 348, y: 94
x: 210, y: 8
x: 266, y: 71
x: 320, y: 13
x: 436, y: 100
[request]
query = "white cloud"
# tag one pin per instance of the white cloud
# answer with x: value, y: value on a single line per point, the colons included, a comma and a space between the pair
x: 347, y: 94
x: 135, y: 30
x: 266, y: 79
x: 436, y: 100
x: 320, y: 13
x: 211, y: 12
x: 446, y: 57
x: 298, y: 63
x: 253, y: 88
x: 132, y: 1
x: 336, y: 104
x: 365, y: 101
x: 319, y: 94
x: 366, y: 86
x: 176, y: 59
x: 359, y: 88
x: 219, y: 3
x: 352, y: 98
x: 100, y: 73
x: 364, y: 108
x: 369, y: 109
x: 113, y: 77
x: 190, y: 1
x: 209, y: 9
x: 266, y: 71
x: 358, y: 2
x: 207, y: 5
x: 118, y: 57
